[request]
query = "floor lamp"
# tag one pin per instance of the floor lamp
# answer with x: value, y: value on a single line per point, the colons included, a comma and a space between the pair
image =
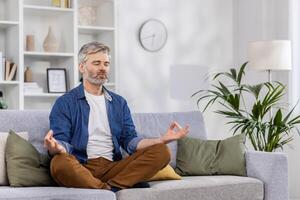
x: 270, y: 55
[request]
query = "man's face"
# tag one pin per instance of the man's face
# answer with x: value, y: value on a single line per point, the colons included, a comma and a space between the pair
x: 96, y: 68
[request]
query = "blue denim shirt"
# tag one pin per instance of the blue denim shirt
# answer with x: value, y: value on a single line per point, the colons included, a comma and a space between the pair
x: 69, y: 120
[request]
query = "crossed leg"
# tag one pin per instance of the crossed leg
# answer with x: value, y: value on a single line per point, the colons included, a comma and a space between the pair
x: 102, y: 173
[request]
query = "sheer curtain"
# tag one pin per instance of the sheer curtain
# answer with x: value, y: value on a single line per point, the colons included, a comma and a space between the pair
x: 295, y: 36
x: 294, y: 97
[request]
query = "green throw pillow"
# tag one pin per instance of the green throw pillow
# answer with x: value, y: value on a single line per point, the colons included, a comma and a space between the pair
x: 211, y: 157
x: 25, y: 165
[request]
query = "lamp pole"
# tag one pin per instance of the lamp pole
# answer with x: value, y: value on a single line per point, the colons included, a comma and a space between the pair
x: 269, y: 75
x: 270, y: 79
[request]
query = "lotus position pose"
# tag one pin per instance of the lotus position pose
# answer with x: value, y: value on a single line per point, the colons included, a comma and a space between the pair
x: 88, y: 126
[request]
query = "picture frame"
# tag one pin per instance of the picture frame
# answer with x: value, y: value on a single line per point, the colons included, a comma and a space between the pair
x: 56, y: 80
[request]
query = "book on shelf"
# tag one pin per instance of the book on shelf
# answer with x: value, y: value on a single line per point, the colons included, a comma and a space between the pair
x: 7, y: 68
x: 61, y: 3
x: 10, y: 70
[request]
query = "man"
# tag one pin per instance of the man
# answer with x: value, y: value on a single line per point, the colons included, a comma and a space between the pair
x: 89, y: 124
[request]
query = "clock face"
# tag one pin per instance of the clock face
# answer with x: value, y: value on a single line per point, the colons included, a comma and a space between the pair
x: 153, y: 35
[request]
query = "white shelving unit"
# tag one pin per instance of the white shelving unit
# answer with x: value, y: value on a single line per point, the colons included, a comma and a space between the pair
x: 9, y: 46
x: 19, y: 18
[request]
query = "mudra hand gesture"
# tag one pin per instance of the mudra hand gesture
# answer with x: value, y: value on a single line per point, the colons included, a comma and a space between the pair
x: 52, y: 145
x: 175, y: 132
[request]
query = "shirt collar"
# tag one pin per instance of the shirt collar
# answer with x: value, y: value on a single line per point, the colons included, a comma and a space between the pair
x: 81, y: 94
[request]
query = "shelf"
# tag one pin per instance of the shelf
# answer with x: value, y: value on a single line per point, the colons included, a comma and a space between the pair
x: 6, y: 24
x: 43, y: 94
x: 9, y: 82
x: 42, y: 10
x: 19, y: 18
x: 47, y: 54
x: 94, y: 29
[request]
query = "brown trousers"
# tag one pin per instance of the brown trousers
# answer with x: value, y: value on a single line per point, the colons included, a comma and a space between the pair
x: 100, y: 172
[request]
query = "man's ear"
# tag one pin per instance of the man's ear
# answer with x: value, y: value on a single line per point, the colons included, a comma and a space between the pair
x: 81, y: 68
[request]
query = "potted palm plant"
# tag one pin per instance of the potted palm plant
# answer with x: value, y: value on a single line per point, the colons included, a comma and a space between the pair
x: 264, y: 124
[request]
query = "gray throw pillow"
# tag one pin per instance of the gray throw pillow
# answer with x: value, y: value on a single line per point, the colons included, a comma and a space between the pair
x: 211, y: 157
x: 25, y: 165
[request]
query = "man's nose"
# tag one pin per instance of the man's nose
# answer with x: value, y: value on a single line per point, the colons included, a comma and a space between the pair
x: 102, y: 67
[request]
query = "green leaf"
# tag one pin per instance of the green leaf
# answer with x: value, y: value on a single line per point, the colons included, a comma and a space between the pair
x: 255, y: 89
x: 233, y: 73
x: 278, y: 118
x: 241, y: 73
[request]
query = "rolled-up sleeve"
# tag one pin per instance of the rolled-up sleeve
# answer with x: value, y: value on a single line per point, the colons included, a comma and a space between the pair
x: 132, y: 145
x: 129, y: 138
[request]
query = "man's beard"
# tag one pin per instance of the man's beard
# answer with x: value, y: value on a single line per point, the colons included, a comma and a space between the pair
x: 94, y: 80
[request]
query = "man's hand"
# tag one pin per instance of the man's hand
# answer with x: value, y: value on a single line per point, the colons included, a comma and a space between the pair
x: 175, y: 132
x: 52, y: 145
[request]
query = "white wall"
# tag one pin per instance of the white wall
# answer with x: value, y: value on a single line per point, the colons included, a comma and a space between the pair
x: 211, y: 33
x: 200, y: 32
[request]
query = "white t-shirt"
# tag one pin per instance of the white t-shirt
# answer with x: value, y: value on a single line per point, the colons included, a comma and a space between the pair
x: 100, y: 139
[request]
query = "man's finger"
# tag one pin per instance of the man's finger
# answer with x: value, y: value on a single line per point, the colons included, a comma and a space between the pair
x: 177, y: 125
x: 49, y: 134
x: 187, y: 127
x: 48, y: 142
x: 172, y: 126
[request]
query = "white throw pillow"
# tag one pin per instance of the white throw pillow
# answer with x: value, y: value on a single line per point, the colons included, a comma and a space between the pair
x: 3, y: 138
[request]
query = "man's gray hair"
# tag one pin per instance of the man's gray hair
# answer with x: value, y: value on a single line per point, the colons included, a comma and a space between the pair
x: 91, y: 48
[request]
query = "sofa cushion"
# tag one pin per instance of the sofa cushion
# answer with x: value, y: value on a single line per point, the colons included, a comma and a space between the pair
x: 151, y: 125
x: 35, y: 122
x: 147, y: 125
x: 199, y: 187
x: 211, y: 157
x: 3, y: 139
x: 54, y: 193
x: 167, y: 173
x: 25, y: 165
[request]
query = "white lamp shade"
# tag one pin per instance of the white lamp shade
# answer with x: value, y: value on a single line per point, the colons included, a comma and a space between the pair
x: 270, y: 55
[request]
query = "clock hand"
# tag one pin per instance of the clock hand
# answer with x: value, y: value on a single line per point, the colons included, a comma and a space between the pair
x: 152, y: 40
x: 147, y: 37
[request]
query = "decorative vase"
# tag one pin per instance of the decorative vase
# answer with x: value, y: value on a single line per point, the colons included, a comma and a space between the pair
x: 28, y: 75
x: 29, y: 43
x: 50, y: 43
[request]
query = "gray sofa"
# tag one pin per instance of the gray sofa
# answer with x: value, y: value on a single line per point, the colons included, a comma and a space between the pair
x: 267, y: 172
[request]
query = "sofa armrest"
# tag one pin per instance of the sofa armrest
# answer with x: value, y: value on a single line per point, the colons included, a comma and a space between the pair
x: 272, y: 169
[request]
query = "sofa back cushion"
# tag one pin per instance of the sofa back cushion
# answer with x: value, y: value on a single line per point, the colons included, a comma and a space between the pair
x: 35, y: 122
x: 152, y: 125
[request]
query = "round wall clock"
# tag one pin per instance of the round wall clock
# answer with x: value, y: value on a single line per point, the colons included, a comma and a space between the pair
x: 153, y: 35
